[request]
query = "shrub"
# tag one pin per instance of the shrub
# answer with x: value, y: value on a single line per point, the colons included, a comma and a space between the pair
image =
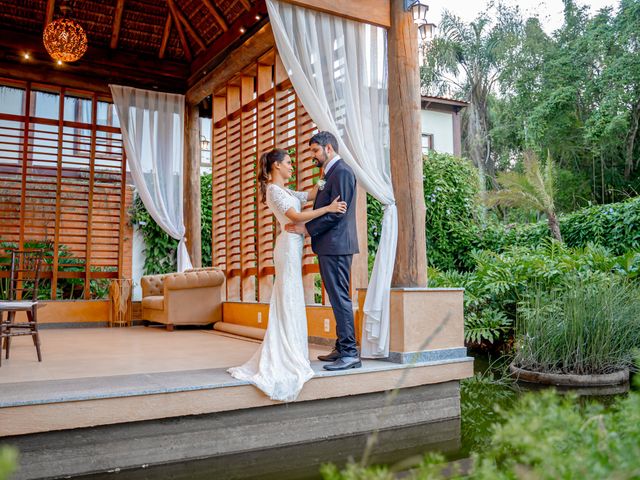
x: 451, y: 189
x: 160, y: 248
x: 501, y: 281
x: 67, y: 288
x: 588, y: 327
x: 615, y: 226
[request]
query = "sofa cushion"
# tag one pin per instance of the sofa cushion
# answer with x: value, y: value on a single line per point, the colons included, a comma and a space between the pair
x: 155, y: 302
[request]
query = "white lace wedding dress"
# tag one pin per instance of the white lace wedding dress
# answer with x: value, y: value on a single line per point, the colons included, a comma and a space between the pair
x: 280, y: 367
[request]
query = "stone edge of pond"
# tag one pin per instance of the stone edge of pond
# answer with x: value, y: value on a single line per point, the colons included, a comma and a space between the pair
x: 570, y: 380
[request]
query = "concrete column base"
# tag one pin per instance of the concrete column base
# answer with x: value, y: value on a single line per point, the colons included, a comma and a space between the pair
x: 427, y: 324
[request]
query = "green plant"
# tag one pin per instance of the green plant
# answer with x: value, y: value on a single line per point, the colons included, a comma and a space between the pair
x: 451, y: 190
x: 8, y: 461
x: 502, y: 281
x: 490, y: 325
x: 615, y: 226
x: 160, y: 248
x: 67, y: 288
x: 534, y: 190
x: 539, y: 436
x: 451, y: 187
x: 591, y: 326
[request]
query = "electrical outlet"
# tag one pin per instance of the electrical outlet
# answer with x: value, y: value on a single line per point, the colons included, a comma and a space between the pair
x: 327, y: 325
x: 259, y: 317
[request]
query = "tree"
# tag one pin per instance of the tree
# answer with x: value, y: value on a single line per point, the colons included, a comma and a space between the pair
x: 534, y: 189
x: 577, y: 92
x: 470, y: 57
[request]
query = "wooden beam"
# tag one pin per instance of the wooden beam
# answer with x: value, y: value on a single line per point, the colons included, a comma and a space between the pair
x: 117, y: 21
x: 375, y: 12
x: 165, y: 36
x: 247, y: 53
x: 183, y: 38
x: 405, y: 149
x: 48, y: 16
x: 188, y: 26
x: 217, y: 14
x: 246, y: 4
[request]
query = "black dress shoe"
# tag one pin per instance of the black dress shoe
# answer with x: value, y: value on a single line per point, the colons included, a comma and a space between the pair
x: 330, y: 357
x: 344, y: 363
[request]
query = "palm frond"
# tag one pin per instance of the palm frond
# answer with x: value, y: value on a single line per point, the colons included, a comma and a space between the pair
x: 533, y: 189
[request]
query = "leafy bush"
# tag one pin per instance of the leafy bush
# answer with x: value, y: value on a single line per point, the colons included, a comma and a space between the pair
x: 586, y: 328
x: 615, y: 226
x: 501, y: 281
x: 160, y: 248
x: 451, y: 188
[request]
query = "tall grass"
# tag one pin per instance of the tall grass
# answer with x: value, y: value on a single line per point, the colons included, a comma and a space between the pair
x: 588, y: 327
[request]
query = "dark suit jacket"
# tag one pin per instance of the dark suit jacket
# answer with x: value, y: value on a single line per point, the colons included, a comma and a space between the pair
x: 336, y: 233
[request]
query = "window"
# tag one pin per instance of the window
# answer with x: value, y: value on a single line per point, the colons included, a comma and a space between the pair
x: 427, y: 143
x: 62, y: 185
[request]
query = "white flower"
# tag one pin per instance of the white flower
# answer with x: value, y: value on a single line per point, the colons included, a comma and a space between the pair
x: 321, y: 184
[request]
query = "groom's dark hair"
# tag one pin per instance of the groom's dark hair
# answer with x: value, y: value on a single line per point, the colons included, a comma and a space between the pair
x: 325, y: 138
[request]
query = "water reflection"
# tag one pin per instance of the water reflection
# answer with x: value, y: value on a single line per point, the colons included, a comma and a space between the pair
x: 304, y: 461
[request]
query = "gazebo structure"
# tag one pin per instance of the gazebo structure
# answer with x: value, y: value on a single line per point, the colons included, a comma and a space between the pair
x: 63, y: 186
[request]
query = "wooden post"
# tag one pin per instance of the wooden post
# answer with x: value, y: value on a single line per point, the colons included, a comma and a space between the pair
x: 192, y: 184
x: 406, y: 157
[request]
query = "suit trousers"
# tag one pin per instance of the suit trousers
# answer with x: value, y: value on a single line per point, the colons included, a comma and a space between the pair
x: 336, y: 276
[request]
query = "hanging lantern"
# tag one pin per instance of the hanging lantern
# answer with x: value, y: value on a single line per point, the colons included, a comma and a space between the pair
x: 204, y: 143
x: 64, y: 39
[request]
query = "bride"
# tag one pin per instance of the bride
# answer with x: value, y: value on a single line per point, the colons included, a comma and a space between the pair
x: 280, y: 367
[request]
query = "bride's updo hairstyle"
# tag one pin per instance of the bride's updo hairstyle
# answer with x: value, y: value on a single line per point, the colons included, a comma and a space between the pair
x: 265, y: 164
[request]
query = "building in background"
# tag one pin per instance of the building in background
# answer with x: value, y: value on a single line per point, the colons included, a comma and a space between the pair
x: 441, y: 120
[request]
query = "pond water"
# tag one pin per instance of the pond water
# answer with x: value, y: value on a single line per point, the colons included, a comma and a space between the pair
x: 401, y: 448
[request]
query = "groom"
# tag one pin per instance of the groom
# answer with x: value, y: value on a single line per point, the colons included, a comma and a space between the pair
x: 334, y: 239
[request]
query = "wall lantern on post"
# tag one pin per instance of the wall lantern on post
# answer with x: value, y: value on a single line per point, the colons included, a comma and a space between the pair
x: 427, y: 31
x: 418, y: 10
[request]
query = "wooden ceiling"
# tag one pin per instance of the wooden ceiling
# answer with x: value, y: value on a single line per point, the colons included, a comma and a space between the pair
x: 166, y: 44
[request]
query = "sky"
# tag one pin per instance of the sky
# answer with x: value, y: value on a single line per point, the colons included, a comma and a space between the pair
x: 549, y: 11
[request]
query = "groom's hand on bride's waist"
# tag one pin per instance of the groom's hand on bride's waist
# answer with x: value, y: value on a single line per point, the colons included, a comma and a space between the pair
x: 296, y: 228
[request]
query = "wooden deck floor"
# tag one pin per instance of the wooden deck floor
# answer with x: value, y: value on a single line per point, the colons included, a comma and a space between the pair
x: 100, y: 352
x: 100, y: 376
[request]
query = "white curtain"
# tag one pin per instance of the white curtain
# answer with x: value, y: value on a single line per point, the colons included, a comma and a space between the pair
x: 152, y: 125
x: 338, y: 69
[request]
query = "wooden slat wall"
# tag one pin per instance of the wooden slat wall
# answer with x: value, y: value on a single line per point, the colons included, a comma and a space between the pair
x: 265, y: 223
x: 254, y: 112
x: 219, y: 182
x: 62, y: 180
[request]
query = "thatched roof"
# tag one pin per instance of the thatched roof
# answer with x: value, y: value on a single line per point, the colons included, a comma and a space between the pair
x: 198, y: 31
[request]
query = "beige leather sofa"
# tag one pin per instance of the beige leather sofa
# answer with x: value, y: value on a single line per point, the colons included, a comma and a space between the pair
x: 190, y: 298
